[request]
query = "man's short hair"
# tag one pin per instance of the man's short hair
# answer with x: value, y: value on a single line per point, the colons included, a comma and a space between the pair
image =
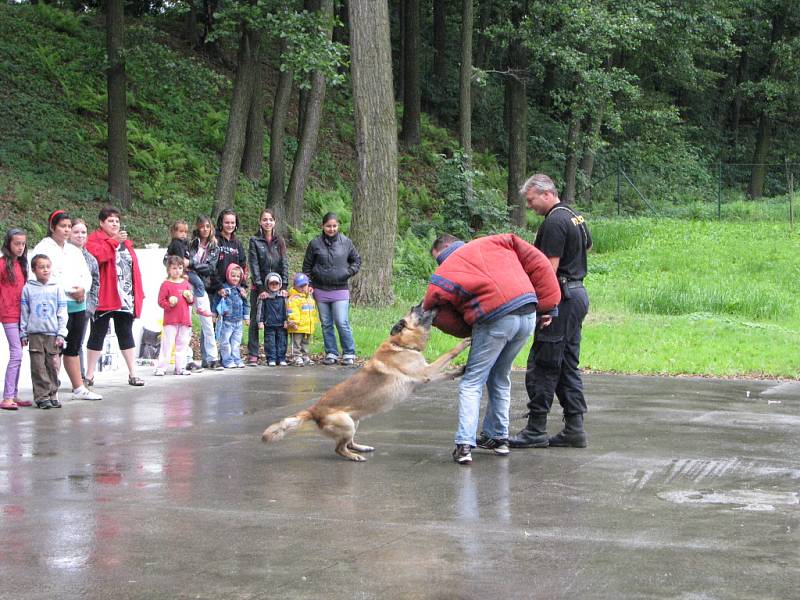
x: 541, y: 182
x: 443, y: 241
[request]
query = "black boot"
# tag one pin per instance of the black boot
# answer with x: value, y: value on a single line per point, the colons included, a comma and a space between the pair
x: 573, y: 435
x: 534, y: 435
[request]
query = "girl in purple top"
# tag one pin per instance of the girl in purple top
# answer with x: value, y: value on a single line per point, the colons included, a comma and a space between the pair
x: 330, y: 261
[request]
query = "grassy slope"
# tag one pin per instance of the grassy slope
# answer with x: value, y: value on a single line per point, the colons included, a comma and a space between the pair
x: 667, y: 297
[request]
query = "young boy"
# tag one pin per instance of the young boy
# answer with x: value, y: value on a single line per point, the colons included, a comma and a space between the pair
x: 233, y: 308
x: 301, y: 314
x: 43, y: 328
x: 272, y: 319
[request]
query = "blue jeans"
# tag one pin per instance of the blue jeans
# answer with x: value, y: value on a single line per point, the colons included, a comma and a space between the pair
x: 230, y: 341
x: 274, y: 343
x: 494, y: 347
x: 197, y: 284
x: 337, y: 313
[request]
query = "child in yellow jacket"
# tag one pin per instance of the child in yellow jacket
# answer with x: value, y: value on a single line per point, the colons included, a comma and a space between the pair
x: 301, y: 315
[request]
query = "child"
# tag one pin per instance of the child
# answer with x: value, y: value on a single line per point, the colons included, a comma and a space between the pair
x: 175, y: 296
x: 179, y: 246
x: 301, y: 314
x: 43, y: 328
x: 233, y: 308
x: 13, y: 274
x: 272, y: 319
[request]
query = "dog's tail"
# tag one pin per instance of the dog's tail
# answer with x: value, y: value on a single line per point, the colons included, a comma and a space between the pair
x: 276, y: 431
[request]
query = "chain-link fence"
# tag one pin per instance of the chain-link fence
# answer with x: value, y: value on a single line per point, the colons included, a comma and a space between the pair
x: 737, y: 191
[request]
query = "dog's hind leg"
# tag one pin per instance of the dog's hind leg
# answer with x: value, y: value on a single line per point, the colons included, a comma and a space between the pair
x: 358, y: 447
x: 341, y: 427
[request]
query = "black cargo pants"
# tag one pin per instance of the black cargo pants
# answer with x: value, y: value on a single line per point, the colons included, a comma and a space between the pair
x: 554, y: 356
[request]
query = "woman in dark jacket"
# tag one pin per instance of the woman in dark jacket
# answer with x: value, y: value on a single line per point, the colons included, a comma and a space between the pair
x: 331, y: 259
x: 231, y: 251
x: 266, y: 254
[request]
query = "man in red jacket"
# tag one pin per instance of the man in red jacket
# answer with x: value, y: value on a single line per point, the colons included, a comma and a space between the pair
x: 490, y: 289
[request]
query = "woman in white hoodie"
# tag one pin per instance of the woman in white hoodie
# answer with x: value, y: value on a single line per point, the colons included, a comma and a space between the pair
x: 70, y: 273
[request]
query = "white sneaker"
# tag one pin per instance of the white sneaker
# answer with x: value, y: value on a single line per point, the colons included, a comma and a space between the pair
x: 183, y: 372
x: 272, y: 363
x: 83, y: 393
x: 283, y: 363
x: 158, y: 372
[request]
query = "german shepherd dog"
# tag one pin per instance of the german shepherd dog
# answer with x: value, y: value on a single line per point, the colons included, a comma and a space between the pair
x: 388, y: 377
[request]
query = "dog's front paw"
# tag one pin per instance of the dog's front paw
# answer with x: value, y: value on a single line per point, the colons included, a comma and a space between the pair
x: 459, y: 372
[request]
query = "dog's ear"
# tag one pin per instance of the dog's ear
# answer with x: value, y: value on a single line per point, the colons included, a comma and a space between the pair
x: 398, y: 327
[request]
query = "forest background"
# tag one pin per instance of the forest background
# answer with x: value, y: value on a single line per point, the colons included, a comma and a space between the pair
x: 670, y: 125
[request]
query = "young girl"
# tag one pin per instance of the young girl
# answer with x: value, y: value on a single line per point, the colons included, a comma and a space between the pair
x: 175, y: 297
x: 13, y: 274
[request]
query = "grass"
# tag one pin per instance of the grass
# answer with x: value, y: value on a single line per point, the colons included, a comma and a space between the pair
x: 669, y: 297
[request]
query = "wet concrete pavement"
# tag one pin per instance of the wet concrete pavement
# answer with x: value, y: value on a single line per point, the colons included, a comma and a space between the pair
x: 689, y: 489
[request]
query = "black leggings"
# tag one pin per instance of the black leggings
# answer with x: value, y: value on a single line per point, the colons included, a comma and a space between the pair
x: 76, y: 328
x: 123, y: 327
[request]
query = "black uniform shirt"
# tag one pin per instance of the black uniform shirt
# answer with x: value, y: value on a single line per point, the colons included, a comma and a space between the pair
x: 564, y: 234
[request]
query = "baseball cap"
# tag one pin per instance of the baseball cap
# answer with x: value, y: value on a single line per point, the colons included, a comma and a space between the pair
x: 274, y: 277
x: 300, y: 279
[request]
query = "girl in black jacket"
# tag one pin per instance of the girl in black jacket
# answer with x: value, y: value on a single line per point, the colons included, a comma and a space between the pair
x: 266, y: 254
x: 330, y: 261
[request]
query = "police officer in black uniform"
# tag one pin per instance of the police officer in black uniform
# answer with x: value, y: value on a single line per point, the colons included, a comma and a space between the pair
x: 553, y: 361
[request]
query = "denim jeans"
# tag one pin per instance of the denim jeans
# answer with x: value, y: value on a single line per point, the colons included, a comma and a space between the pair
x: 338, y: 314
x: 494, y: 347
x: 274, y: 343
x: 230, y: 341
x: 208, y: 343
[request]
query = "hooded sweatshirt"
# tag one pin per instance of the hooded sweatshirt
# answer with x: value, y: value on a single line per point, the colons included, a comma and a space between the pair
x: 43, y: 310
x: 234, y: 306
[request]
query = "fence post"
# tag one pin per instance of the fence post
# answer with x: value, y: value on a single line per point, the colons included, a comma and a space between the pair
x: 719, y: 190
x: 619, y: 189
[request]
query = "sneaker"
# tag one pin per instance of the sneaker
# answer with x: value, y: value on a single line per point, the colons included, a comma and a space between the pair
x: 182, y: 372
x: 55, y: 402
x: 216, y: 366
x: 307, y: 361
x: 499, y: 445
x: 44, y: 404
x: 272, y: 363
x: 158, y: 372
x: 83, y: 393
x: 230, y: 366
x: 240, y: 366
x: 347, y: 362
x: 283, y: 363
x: 298, y: 362
x: 252, y: 361
x: 329, y: 360
x: 462, y: 454
x: 194, y: 367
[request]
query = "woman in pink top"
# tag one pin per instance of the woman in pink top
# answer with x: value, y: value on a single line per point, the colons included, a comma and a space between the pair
x: 13, y: 274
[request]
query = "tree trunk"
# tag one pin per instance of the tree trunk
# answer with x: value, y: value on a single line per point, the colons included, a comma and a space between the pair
x: 439, y: 41
x: 375, y: 201
x: 757, y: 176
x: 484, y: 20
x: 736, y: 109
x: 590, y: 151
x: 465, y: 80
x: 118, y: 176
x: 247, y: 63
x: 253, y: 156
x: 571, y: 164
x: 307, y: 145
x: 411, y: 85
x: 192, y: 32
x: 277, y: 167
x: 764, y: 137
x: 516, y: 109
x: 401, y: 47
